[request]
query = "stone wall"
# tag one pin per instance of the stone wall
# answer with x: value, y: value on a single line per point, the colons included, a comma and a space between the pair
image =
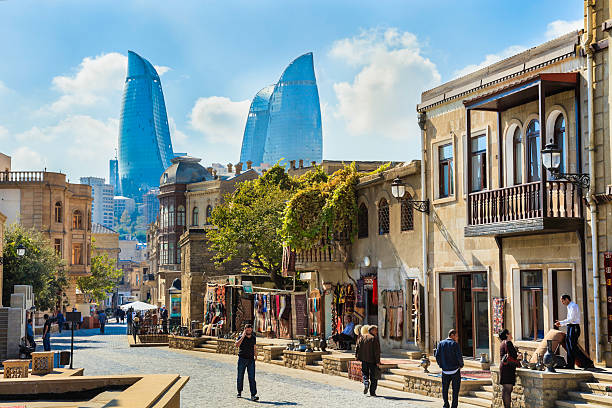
x: 431, y: 385
x: 335, y: 365
x: 184, y: 343
x: 300, y: 359
x: 153, y: 338
x: 227, y: 346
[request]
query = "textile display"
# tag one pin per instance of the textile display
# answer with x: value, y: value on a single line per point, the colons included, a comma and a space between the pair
x: 272, y: 314
x: 498, y: 315
x: 343, y: 304
x: 392, y: 325
x: 354, y: 370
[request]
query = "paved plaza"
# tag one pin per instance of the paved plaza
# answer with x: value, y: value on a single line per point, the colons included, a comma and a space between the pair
x: 213, y: 377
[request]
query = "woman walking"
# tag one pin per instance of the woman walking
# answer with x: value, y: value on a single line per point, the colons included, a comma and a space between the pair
x: 510, y: 359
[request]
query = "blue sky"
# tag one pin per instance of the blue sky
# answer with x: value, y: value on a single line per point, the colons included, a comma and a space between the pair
x: 63, y: 67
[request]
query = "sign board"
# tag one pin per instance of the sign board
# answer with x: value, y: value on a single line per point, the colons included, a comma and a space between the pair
x: 247, y: 286
x: 608, y: 272
x: 301, y: 315
x: 74, y: 317
x: 175, y: 305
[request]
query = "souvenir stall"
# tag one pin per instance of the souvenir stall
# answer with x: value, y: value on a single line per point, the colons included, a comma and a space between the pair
x: 316, y: 318
x: 392, y: 324
x: 343, y: 306
x: 215, y: 316
x: 273, y: 314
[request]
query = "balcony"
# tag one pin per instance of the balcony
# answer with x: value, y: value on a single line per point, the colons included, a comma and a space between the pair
x: 327, y: 254
x: 525, y: 209
x: 22, y: 176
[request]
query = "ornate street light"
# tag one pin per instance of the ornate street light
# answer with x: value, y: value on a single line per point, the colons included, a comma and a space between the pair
x: 398, y: 190
x: 20, y: 250
x: 551, y: 159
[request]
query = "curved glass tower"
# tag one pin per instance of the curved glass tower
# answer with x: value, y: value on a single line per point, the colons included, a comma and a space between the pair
x: 256, y: 129
x: 145, y: 148
x: 294, y: 127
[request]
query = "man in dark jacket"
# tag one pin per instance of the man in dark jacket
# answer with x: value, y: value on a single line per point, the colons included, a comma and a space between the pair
x: 449, y: 358
x: 368, y: 352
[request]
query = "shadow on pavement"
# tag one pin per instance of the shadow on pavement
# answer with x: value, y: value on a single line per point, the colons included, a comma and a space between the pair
x: 401, y: 399
x: 277, y: 402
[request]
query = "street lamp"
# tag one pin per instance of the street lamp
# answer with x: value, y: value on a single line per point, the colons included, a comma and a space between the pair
x: 551, y: 159
x: 398, y: 190
x: 20, y: 250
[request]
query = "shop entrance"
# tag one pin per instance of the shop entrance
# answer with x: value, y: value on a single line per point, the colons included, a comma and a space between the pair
x: 464, y: 307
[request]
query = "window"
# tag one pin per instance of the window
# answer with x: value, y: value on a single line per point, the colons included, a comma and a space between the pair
x: 383, y: 217
x: 77, y: 254
x: 362, y: 221
x: 478, y: 160
x: 445, y: 168
x: 407, y: 222
x: 559, y: 137
x: 194, y: 216
x: 58, y: 211
x: 58, y: 247
x: 178, y: 255
x: 88, y: 220
x: 533, y: 150
x: 180, y: 216
x: 208, y: 214
x: 532, y: 305
x: 77, y: 220
x: 171, y: 216
x: 517, y: 152
x: 171, y: 252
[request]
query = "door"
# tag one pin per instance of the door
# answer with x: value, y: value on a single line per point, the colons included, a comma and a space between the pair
x: 465, y: 326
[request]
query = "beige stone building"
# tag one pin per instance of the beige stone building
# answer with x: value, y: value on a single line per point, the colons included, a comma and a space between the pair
x: 2, y: 226
x: 106, y: 241
x: 61, y: 210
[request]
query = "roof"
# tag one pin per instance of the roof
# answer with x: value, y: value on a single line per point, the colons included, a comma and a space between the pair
x: 185, y: 170
x: 101, y: 229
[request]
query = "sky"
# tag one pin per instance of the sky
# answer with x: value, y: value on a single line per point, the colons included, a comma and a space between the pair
x: 63, y: 66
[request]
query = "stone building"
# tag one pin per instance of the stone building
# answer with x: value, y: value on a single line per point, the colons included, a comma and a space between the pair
x: 60, y: 210
x: 2, y: 225
x: 106, y: 241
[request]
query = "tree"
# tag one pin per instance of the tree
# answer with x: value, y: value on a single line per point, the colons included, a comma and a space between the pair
x: 103, y: 279
x: 248, y: 224
x: 40, y: 267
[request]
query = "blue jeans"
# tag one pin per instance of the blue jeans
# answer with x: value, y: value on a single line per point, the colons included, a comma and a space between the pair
x: 247, y: 364
x: 455, y: 379
x: 47, y: 342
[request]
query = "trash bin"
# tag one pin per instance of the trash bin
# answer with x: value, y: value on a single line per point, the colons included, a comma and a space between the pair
x: 64, y: 358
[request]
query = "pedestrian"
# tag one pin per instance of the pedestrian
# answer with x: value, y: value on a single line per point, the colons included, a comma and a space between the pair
x: 102, y: 320
x: 449, y: 358
x: 247, y: 353
x: 164, y: 318
x: 60, y: 320
x: 135, y: 326
x: 345, y: 339
x: 573, y: 333
x: 130, y: 320
x: 510, y: 360
x: 47, y: 333
x: 30, y: 334
x: 367, y: 351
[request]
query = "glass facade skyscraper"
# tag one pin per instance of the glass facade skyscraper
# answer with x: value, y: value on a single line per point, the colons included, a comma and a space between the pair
x: 145, y: 148
x: 293, y: 128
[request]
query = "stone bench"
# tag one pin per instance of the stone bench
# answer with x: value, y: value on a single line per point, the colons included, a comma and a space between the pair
x: 42, y: 362
x: 336, y: 364
x: 300, y: 359
x: 16, y: 368
x: 273, y: 353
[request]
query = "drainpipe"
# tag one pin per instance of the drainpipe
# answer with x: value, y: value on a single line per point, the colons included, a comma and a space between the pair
x: 422, y: 121
x: 586, y: 46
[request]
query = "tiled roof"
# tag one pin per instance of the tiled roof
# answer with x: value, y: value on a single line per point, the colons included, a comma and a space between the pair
x: 101, y: 229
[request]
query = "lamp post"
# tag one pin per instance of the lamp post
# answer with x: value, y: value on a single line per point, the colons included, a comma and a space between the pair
x: 398, y: 190
x: 551, y: 159
x: 20, y: 250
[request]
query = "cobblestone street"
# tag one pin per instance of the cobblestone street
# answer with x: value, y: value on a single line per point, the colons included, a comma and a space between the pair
x: 213, y: 377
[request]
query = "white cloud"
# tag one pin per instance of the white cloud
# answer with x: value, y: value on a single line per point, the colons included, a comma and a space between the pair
x: 220, y: 119
x: 25, y: 158
x: 490, y: 59
x: 382, y: 97
x: 4, y: 133
x: 559, y: 27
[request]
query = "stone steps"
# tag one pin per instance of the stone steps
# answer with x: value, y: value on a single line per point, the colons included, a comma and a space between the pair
x: 488, y: 388
x: 392, y: 377
x: 482, y: 394
x: 597, y: 388
x: 211, y: 347
x: 391, y: 384
x: 399, y: 371
x: 603, y: 400
x: 472, y: 400
x: 577, y: 404
x: 315, y: 368
x: 205, y: 350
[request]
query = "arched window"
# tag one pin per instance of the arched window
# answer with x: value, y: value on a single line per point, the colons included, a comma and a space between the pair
x: 58, y: 211
x: 362, y: 221
x: 195, y: 214
x: 77, y: 220
x: 559, y: 137
x: 171, y: 216
x: 383, y: 217
x: 208, y: 213
x: 163, y: 216
x: 180, y: 216
x: 517, y: 153
x: 407, y: 213
x: 533, y: 150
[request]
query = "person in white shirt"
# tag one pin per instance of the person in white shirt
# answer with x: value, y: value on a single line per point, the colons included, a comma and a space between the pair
x: 573, y: 333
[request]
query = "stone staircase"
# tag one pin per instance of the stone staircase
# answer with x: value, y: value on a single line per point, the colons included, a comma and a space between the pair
x: 209, y: 346
x: 482, y: 397
x: 593, y: 394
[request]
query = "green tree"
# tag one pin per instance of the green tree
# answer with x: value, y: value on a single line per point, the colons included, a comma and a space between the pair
x: 103, y: 279
x: 40, y: 267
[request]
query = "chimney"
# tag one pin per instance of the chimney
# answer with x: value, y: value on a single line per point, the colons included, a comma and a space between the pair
x: 313, y: 163
x: 292, y: 164
x: 249, y: 164
x: 238, y: 168
x: 229, y: 167
x: 301, y: 163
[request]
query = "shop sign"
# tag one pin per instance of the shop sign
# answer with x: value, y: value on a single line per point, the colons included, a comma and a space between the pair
x: 175, y: 305
x: 608, y: 271
x: 247, y: 286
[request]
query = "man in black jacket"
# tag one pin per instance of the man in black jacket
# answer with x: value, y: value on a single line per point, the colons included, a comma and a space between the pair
x: 449, y: 358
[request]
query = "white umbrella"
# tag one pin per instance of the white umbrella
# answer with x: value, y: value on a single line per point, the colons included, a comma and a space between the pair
x: 138, y: 306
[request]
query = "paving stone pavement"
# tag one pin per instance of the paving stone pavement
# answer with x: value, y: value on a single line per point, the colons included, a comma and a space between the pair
x: 213, y: 376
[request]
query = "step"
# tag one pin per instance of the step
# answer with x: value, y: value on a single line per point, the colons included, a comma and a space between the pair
x: 481, y: 402
x: 204, y: 350
x: 278, y: 362
x: 591, y: 397
x: 488, y: 388
x: 318, y: 362
x: 317, y: 369
x: 409, y: 367
x: 597, y: 387
x: 215, y: 342
x: 482, y: 394
x: 209, y: 347
x: 399, y: 371
x: 393, y: 377
x: 391, y: 384
x: 577, y: 404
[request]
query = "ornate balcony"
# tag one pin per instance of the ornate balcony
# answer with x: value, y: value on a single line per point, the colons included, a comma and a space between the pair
x: 327, y: 254
x: 524, y: 209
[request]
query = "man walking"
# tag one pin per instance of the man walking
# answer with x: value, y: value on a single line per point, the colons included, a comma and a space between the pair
x: 573, y: 333
x: 60, y: 320
x: 368, y: 352
x: 30, y: 334
x: 164, y: 318
x: 247, y: 353
x: 130, y: 319
x: 102, y: 320
x: 449, y: 358
x: 47, y: 333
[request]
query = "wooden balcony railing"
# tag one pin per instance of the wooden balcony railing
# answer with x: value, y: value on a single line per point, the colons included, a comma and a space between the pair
x: 329, y: 253
x: 522, y: 202
x: 21, y: 176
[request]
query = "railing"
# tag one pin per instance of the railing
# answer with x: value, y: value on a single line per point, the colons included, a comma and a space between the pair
x: 21, y: 176
x: 522, y: 202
